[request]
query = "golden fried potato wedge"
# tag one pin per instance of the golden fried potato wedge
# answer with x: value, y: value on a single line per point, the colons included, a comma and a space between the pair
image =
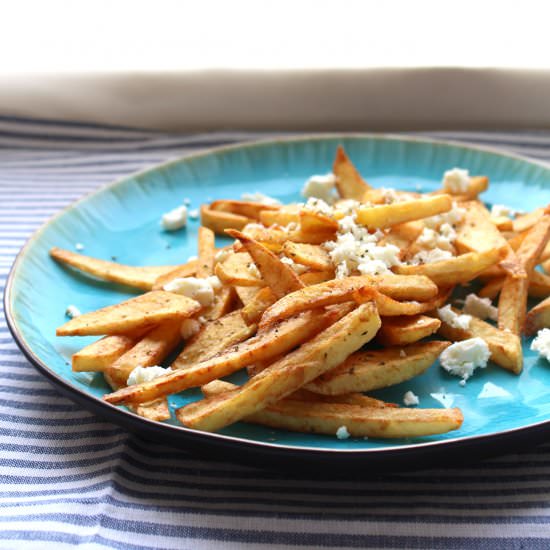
x: 224, y: 302
x: 349, y: 183
x: 151, y: 350
x: 400, y: 331
x: 325, y: 351
x: 386, y: 215
x: 246, y: 294
x: 539, y: 285
x: 388, y: 307
x: 140, y: 312
x: 374, y: 369
x: 254, y: 310
x: 503, y: 223
x: 138, y: 277
x: 314, y: 222
x: 505, y: 347
x: 248, y: 209
x: 491, y: 288
x: 207, y: 251
x: 538, y: 317
x: 286, y: 215
x: 281, y: 339
x: 403, y: 235
x: 238, y: 269
x: 476, y: 185
x: 527, y: 221
x: 156, y: 410
x: 218, y: 221
x: 213, y: 338
x: 188, y: 269
x: 310, y: 255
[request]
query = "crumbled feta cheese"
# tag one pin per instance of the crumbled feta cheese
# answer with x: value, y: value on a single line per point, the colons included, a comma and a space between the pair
x: 541, y: 343
x: 430, y: 256
x: 410, y: 399
x: 389, y: 195
x: 342, y: 432
x: 194, y: 214
x: 452, y: 217
x: 462, y: 358
x: 175, y: 219
x: 222, y: 255
x: 214, y: 282
x: 253, y: 270
x: 261, y: 198
x: 72, y: 311
x: 201, y: 290
x: 456, y: 180
x: 402, y: 353
x: 480, y: 307
x: 455, y: 320
x: 347, y: 207
x: 320, y: 187
x: 298, y: 268
x: 79, y: 247
x: 187, y: 201
x: 189, y: 327
x: 145, y: 374
x: 320, y: 206
x: 499, y: 210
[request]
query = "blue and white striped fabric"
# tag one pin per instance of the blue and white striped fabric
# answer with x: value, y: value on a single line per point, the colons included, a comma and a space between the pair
x: 67, y: 478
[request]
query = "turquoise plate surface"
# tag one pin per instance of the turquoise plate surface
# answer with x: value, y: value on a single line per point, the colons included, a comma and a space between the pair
x: 122, y: 220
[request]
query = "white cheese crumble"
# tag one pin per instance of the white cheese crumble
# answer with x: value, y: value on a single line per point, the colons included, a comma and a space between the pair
x: 452, y: 217
x: 175, y: 219
x: 253, y: 270
x: 222, y: 255
x: 72, y: 311
x: 320, y: 187
x: 455, y: 320
x: 442, y: 238
x: 342, y: 432
x: 320, y: 206
x: 430, y: 256
x: 462, y: 358
x: 145, y: 374
x: 189, y: 327
x: 261, y: 198
x: 541, y: 343
x: 79, y: 247
x: 194, y: 214
x: 410, y: 399
x: 201, y: 290
x: 402, y: 353
x: 456, y: 180
x: 499, y: 210
x: 480, y: 307
x: 346, y: 207
x: 297, y: 268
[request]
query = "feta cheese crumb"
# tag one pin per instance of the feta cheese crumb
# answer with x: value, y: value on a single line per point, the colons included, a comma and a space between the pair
x: 320, y: 187
x: 297, y: 268
x: 456, y: 180
x: 145, y: 374
x: 402, y: 353
x: 541, y: 343
x: 201, y: 290
x: 72, y: 311
x: 480, y: 307
x: 320, y: 206
x: 79, y: 247
x: 261, y: 198
x: 175, y: 219
x: 222, y: 255
x: 410, y: 399
x: 499, y: 210
x: 194, y: 214
x: 455, y: 320
x: 430, y: 256
x: 342, y: 432
x: 189, y: 327
x: 253, y: 270
x: 452, y: 217
x: 462, y: 358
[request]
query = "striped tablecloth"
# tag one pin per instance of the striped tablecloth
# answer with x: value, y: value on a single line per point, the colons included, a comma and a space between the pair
x: 68, y: 478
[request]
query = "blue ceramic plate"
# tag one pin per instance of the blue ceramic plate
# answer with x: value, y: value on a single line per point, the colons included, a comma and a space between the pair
x: 122, y: 220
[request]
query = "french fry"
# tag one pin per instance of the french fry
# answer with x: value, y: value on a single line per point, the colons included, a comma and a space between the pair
x: 207, y: 251
x: 102, y: 353
x: 374, y: 369
x: 188, y: 269
x: 246, y: 294
x: 138, y: 277
x: 248, y: 209
x: 538, y: 317
x: 238, y: 270
x: 254, y: 310
x: 349, y: 183
x: 280, y: 277
x: 140, y: 312
x: 503, y: 223
x: 151, y: 350
x: 213, y: 338
x: 156, y: 410
x: 527, y: 221
x: 476, y: 185
x: 403, y: 235
x: 309, y: 255
x: 325, y: 351
x: 284, y: 216
x: 378, y: 217
x: 281, y: 339
x: 315, y: 222
x: 539, y: 285
x: 505, y: 347
x: 491, y: 288
x: 453, y: 271
x: 219, y: 221
x: 400, y: 331
x: 224, y: 300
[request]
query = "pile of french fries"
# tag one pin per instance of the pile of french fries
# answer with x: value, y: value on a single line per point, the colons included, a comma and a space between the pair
x: 312, y: 341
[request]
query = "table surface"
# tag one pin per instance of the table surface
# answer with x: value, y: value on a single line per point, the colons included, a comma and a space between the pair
x: 68, y: 478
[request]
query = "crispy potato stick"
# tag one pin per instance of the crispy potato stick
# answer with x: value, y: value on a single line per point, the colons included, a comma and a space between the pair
x: 400, y: 331
x: 453, y: 271
x: 342, y: 290
x: 275, y: 237
x: 137, y: 277
x: 526, y: 221
x: 502, y: 223
x: 380, y: 196
x: 248, y: 209
x: 505, y: 347
x: 379, y: 217
x: 315, y: 222
x: 280, y: 277
x: 246, y: 293
x: 388, y: 307
x: 285, y: 215
x: 213, y: 338
x: 512, y: 303
x: 375, y: 369
x: 328, y: 349
x: 156, y: 410
x: 151, y: 350
x: 280, y: 339
x: 238, y: 269
x: 310, y: 255
x: 101, y: 354
x: 491, y: 288
x: 207, y: 251
x: 185, y: 270
x: 224, y: 302
x: 315, y: 277
x: 254, y: 310
x: 141, y: 312
x: 219, y: 221
x: 539, y: 285
x: 538, y: 317
x: 349, y: 183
